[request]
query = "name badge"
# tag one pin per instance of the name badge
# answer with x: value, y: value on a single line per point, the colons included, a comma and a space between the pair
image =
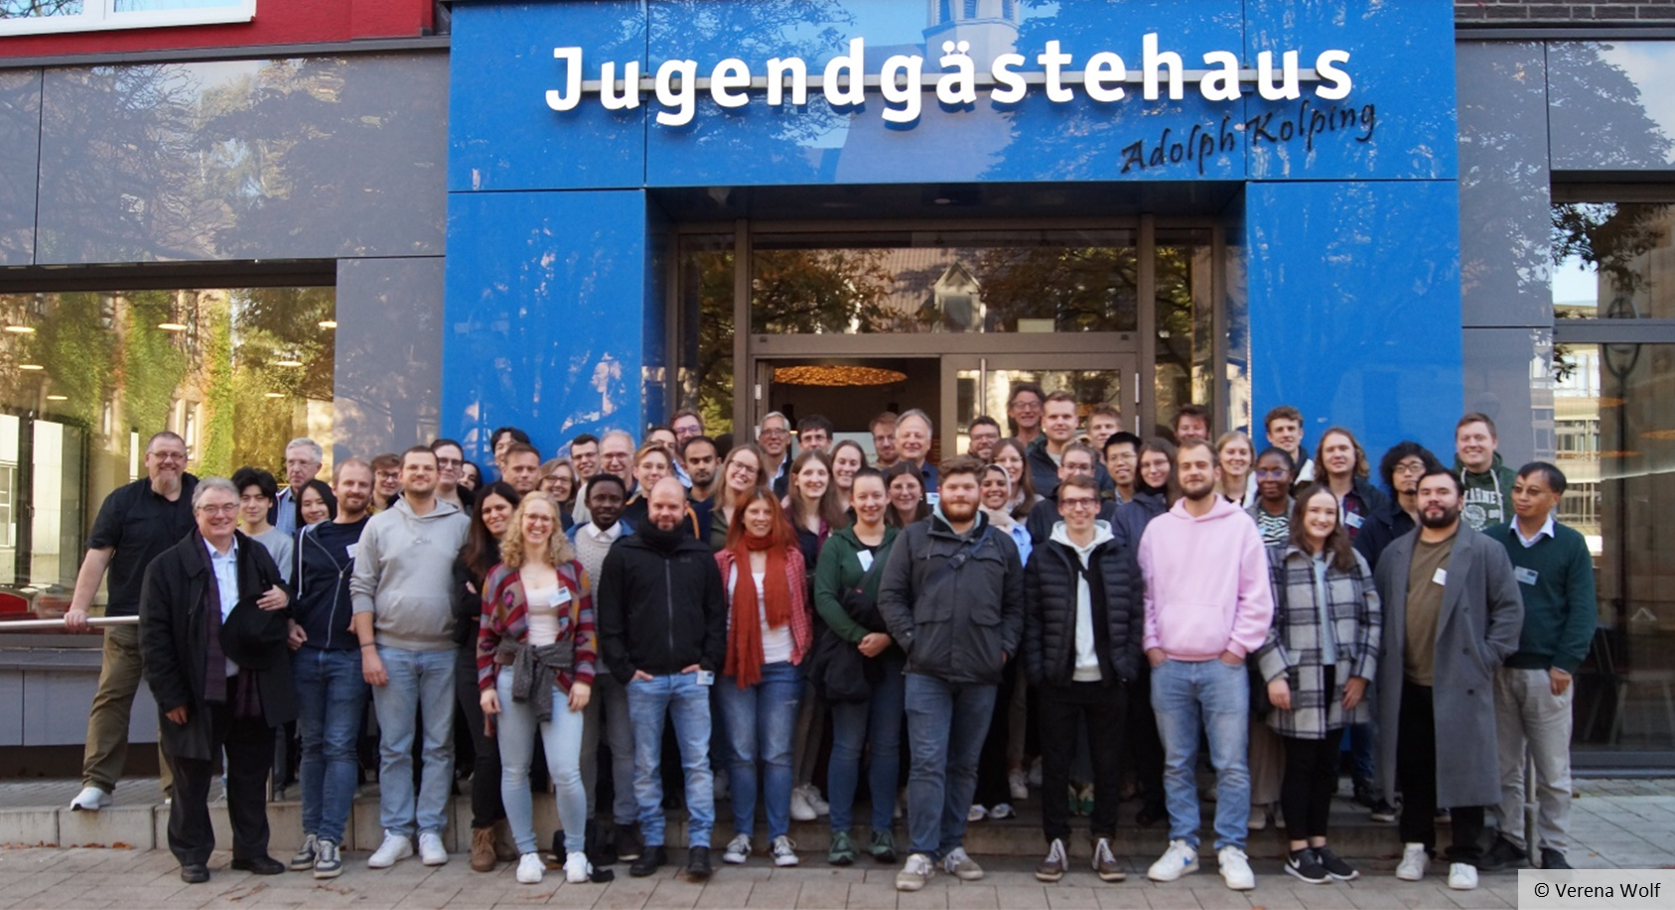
x: 1440, y: 578
x: 931, y: 499
x: 865, y: 556
x: 562, y: 597
x: 1524, y: 576
x: 1352, y: 519
x: 352, y: 549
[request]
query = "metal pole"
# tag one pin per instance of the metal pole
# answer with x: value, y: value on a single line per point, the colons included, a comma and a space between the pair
x: 45, y: 624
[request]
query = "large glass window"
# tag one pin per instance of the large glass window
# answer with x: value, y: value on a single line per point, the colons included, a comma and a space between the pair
x: 1613, y: 387
x: 32, y: 17
x: 942, y: 281
x: 87, y: 377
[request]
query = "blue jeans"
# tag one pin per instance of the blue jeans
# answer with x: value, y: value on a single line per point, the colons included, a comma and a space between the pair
x: 561, y: 737
x: 331, y: 698
x: 760, y: 719
x: 418, y: 679
x: 946, y: 724
x: 649, y: 702
x: 879, y: 720
x: 1182, y: 694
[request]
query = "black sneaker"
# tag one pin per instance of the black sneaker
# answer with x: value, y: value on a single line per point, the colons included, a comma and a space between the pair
x: 1364, y: 795
x: 628, y: 843
x: 698, y: 864
x: 1553, y: 859
x: 1503, y: 854
x: 1334, y: 865
x: 650, y: 860
x: 1303, y: 864
x: 1383, y: 811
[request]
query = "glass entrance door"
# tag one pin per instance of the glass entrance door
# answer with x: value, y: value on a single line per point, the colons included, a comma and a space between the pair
x: 975, y: 386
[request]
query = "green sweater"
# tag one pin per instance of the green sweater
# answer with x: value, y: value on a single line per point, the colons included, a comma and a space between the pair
x: 1559, y: 608
x: 1486, y: 498
x: 838, y: 569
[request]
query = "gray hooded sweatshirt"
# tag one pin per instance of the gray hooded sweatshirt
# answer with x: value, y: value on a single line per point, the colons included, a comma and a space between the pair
x: 404, y: 574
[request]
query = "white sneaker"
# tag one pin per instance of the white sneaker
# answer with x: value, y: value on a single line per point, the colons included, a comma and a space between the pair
x: 577, y: 869
x: 531, y: 869
x: 738, y: 850
x: 1180, y: 859
x: 1001, y: 810
x: 811, y: 794
x: 1017, y: 780
x: 800, y: 809
x: 976, y: 813
x: 1462, y: 876
x: 1235, y: 868
x: 915, y: 873
x: 1414, y: 862
x: 90, y: 799
x: 396, y: 847
x: 961, y: 866
x: 431, y: 852
x: 784, y: 851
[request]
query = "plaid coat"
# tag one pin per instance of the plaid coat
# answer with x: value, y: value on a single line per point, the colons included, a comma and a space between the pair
x: 1293, y: 648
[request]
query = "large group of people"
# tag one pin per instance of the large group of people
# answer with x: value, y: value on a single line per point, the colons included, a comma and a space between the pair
x: 1096, y: 600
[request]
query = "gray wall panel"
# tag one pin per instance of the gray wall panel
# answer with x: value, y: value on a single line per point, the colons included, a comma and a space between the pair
x: 20, y: 146
x: 299, y: 158
x: 389, y: 354
x: 1505, y: 185
x: 1507, y: 375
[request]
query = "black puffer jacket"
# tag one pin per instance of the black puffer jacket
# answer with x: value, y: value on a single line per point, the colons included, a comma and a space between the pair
x: 962, y: 628
x: 1050, y: 595
x: 1134, y: 515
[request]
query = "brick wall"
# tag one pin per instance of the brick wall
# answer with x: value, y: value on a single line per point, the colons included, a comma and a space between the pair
x: 1506, y: 12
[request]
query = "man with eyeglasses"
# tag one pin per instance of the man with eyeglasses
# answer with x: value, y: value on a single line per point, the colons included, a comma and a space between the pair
x: 883, y: 430
x: 616, y: 454
x: 982, y: 437
x: 303, y: 458
x: 386, y: 479
x: 686, y: 423
x: 1079, y: 460
x: 774, y: 436
x: 450, y: 460
x: 584, y: 456
x: 1082, y: 629
x: 1023, y: 411
x: 137, y: 522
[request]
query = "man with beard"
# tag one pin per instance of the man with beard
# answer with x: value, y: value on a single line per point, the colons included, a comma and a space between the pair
x: 1452, y: 614
x: 883, y: 429
x: 1401, y: 468
x: 952, y: 596
x: 663, y: 633
x: 702, y: 461
x: 1208, y: 607
x: 982, y: 437
x: 326, y: 671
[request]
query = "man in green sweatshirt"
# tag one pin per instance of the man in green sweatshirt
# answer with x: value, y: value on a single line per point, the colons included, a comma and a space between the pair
x: 1533, y: 689
x: 1487, y: 482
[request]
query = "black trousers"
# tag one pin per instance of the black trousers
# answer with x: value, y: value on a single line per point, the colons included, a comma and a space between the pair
x: 1416, y: 775
x: 248, y: 742
x: 1311, y: 778
x: 1145, y: 745
x: 486, y: 808
x: 992, y: 786
x: 1064, y: 712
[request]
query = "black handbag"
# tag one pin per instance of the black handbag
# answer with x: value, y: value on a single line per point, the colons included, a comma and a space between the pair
x: 837, y: 669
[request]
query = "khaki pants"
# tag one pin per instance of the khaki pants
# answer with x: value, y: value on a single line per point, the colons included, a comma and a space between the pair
x: 1529, y: 716
x: 107, y: 722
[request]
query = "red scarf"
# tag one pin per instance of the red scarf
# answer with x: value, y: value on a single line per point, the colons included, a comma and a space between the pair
x: 744, y: 638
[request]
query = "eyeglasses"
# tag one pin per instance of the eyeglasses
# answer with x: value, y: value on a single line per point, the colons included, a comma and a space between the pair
x: 1408, y: 467
x: 774, y: 434
x: 230, y: 508
x: 169, y: 456
x: 1081, y: 502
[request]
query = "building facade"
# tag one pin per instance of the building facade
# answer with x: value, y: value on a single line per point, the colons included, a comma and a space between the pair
x: 378, y: 222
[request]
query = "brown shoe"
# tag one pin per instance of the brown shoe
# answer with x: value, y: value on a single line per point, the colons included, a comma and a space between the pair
x: 482, y: 850
x: 505, y: 845
x: 1105, y: 863
x: 1052, y: 868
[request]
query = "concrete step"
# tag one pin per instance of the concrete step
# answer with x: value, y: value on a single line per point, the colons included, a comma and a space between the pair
x: 145, y: 827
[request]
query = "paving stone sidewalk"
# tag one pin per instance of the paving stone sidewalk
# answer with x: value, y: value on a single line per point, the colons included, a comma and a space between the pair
x: 1625, y: 824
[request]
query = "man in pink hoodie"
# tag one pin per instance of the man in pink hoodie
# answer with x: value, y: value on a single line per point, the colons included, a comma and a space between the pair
x: 1208, y: 606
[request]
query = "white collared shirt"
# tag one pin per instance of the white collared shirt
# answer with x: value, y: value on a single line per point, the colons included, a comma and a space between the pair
x: 225, y: 567
x: 604, y: 537
x: 1546, y: 529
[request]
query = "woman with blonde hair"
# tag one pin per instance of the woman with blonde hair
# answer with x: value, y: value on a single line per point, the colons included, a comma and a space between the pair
x: 536, y: 654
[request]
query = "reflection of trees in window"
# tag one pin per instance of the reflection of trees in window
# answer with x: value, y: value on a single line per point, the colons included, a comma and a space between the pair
x: 1082, y: 289
x: 820, y: 291
x: 37, y: 9
x: 1179, y: 346
x: 1614, y: 238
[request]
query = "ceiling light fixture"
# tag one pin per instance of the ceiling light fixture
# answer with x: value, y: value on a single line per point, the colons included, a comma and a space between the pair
x: 21, y: 329
x: 58, y: 398
x: 328, y: 323
x: 837, y: 374
x: 172, y: 326
x: 273, y: 394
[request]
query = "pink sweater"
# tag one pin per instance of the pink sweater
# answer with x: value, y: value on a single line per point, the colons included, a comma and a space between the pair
x: 1207, y: 587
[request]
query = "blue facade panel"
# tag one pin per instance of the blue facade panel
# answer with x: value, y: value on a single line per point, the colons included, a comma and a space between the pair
x: 543, y: 321
x: 1354, y: 303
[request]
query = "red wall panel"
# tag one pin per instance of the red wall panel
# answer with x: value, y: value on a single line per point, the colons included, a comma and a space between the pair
x: 276, y: 22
